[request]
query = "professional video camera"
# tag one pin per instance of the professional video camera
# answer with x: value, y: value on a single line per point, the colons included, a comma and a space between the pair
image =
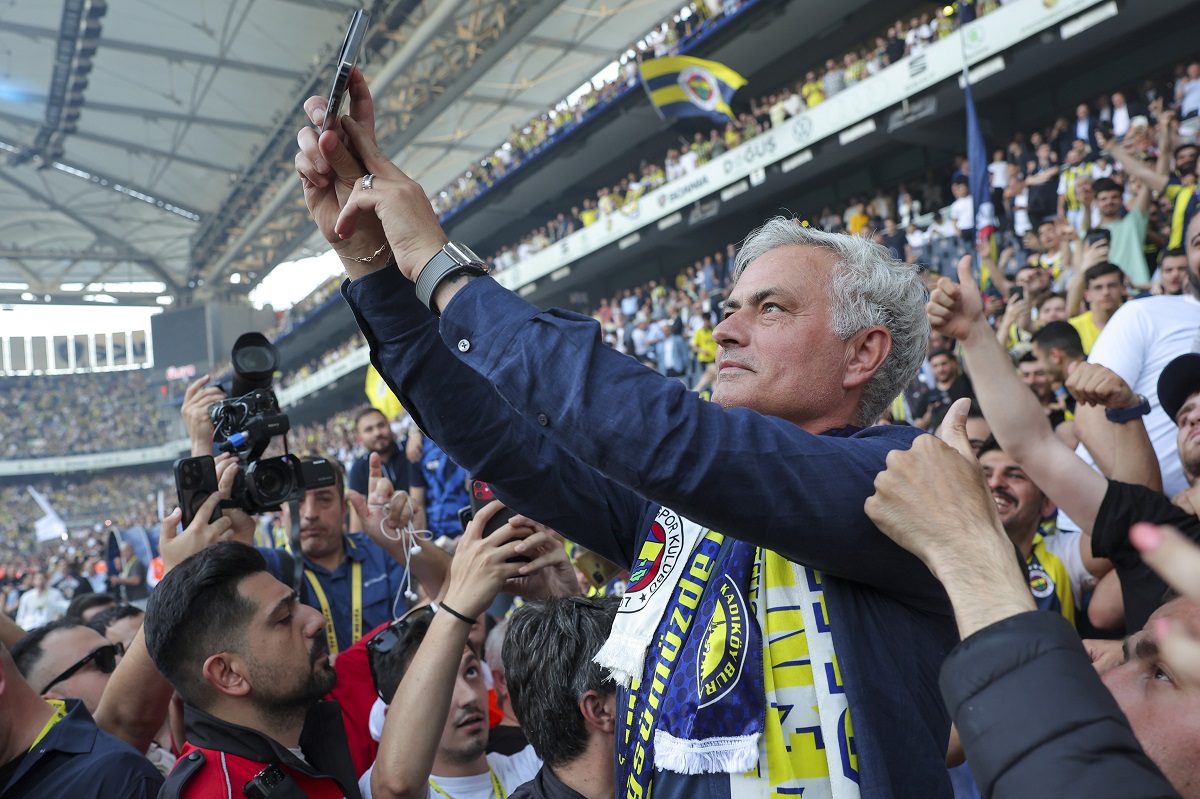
x: 244, y: 425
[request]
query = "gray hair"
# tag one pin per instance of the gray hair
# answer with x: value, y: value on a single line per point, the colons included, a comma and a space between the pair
x: 493, y: 646
x: 548, y: 655
x: 869, y: 288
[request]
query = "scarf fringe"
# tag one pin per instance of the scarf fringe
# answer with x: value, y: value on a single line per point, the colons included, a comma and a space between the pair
x: 732, y: 755
x: 624, y: 657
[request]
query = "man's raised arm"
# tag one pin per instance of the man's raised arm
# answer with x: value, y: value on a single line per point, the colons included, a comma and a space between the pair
x: 1012, y: 411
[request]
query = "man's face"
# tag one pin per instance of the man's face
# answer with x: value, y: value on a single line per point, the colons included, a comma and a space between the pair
x: 1053, y: 310
x: 39, y: 580
x: 1021, y: 504
x: 1034, y: 376
x: 61, y: 650
x: 1081, y: 111
x: 1109, y: 203
x: 1187, y: 438
x: 1162, y: 708
x: 1105, y: 293
x: 778, y: 354
x: 287, y: 653
x: 375, y: 433
x: 1174, y: 274
x: 1185, y: 160
x: 1048, y: 236
x: 1049, y: 360
x: 322, y: 522
x: 1034, y: 279
x: 464, y: 738
x: 944, y: 368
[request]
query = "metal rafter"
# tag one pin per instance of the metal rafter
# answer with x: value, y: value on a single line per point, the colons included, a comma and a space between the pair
x: 169, y: 53
x: 100, y: 233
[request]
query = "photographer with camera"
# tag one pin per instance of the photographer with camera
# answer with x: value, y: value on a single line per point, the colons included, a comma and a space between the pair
x: 356, y: 580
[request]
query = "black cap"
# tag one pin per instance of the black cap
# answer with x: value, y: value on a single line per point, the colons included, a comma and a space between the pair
x: 1179, y: 380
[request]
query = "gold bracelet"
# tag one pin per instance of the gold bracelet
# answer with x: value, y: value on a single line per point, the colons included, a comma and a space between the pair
x: 366, y: 260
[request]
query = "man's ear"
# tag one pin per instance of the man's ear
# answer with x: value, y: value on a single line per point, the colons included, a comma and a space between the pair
x: 866, y: 351
x: 599, y: 711
x: 226, y: 673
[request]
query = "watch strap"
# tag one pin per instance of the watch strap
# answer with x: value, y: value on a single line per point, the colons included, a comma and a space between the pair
x: 447, y: 263
x: 1122, y: 415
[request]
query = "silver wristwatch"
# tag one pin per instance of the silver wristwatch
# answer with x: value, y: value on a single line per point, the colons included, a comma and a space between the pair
x: 453, y: 259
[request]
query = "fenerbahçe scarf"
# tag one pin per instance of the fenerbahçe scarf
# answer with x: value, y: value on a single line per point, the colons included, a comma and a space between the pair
x: 680, y: 86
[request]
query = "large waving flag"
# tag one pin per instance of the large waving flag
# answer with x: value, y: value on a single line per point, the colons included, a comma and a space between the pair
x: 681, y: 86
x: 380, y: 396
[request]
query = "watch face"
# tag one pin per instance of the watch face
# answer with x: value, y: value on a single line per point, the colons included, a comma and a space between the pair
x: 461, y: 253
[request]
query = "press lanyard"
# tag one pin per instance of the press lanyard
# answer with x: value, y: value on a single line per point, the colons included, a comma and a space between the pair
x: 128, y: 567
x: 356, y: 619
x: 497, y: 788
x: 60, y: 713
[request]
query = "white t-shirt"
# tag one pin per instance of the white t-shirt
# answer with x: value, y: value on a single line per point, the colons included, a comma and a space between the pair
x: 687, y: 162
x: 1065, y: 546
x: 1142, y: 337
x: 962, y: 212
x: 999, y: 172
x: 511, y: 770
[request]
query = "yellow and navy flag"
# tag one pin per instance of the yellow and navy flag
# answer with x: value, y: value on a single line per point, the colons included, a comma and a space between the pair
x: 380, y: 396
x: 680, y: 86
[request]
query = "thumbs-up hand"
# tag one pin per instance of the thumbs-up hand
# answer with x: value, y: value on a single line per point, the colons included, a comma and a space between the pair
x: 933, y: 499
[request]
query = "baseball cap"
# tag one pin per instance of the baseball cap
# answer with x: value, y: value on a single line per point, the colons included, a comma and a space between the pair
x: 1179, y: 380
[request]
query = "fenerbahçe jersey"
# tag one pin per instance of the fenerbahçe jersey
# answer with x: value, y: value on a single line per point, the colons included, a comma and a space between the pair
x: 1049, y: 580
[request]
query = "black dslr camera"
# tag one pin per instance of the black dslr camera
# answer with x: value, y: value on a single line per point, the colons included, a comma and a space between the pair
x: 244, y: 425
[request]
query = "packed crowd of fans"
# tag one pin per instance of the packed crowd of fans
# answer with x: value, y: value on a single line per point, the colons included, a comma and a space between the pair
x: 75, y: 414
x: 807, y: 91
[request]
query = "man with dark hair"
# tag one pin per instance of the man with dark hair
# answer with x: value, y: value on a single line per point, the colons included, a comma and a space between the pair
x: 1058, y: 346
x: 566, y: 702
x: 950, y: 384
x: 1033, y: 374
x: 119, y: 624
x: 375, y: 434
x: 357, y: 580
x: 1104, y: 290
x: 66, y: 659
x: 84, y: 607
x: 251, y: 663
x: 54, y: 749
x: 1172, y: 272
x: 1128, y: 229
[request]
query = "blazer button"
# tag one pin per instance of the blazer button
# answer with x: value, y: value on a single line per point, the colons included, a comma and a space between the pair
x: 463, y: 345
x: 543, y: 419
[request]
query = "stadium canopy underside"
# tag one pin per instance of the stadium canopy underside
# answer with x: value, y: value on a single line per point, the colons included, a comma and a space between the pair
x: 147, y: 147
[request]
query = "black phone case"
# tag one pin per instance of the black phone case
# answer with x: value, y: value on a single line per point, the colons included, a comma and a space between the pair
x: 196, y: 481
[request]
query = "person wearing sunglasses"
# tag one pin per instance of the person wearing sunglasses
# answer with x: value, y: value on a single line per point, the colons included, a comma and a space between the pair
x: 434, y: 742
x: 52, y: 747
x: 66, y: 659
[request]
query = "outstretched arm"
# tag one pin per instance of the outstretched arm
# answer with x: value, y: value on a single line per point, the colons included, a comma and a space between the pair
x: 1016, y: 418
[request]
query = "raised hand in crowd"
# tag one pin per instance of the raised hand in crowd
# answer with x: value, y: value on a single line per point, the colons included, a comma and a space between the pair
x: 550, y: 571
x: 176, y: 547
x: 386, y: 513
x: 196, y: 399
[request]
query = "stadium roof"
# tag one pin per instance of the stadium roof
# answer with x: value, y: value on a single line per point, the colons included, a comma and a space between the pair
x: 149, y: 146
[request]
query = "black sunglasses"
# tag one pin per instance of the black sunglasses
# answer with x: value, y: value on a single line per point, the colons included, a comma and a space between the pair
x: 106, y: 661
x: 389, y: 638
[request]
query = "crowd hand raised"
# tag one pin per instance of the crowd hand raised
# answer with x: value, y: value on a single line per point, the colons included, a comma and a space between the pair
x: 1093, y: 254
x: 480, y: 567
x: 550, y: 571
x: 904, y: 494
x: 956, y: 309
x: 1093, y: 384
x: 394, y: 199
x: 384, y: 512
x: 194, y: 411
x: 329, y: 169
x: 1177, y: 560
x: 176, y: 548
